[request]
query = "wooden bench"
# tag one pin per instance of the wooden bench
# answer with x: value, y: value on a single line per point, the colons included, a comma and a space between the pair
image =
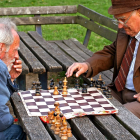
x: 41, y: 56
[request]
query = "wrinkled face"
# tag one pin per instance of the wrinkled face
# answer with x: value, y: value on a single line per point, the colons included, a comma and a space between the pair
x: 12, y: 55
x: 132, y: 26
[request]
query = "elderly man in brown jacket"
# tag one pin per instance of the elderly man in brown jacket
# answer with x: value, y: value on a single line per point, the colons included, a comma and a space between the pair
x: 126, y: 78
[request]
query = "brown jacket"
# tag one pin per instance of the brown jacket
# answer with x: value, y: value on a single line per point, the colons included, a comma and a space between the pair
x: 111, y: 57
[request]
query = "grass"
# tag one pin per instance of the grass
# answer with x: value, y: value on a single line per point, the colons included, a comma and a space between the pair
x: 59, y: 32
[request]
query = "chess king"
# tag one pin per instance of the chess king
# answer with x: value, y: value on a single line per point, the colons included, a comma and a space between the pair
x: 123, y: 55
x: 10, y: 69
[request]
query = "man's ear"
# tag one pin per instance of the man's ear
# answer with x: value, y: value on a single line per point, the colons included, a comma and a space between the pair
x: 2, y: 45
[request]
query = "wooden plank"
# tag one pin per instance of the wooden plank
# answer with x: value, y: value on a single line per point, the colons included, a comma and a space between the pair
x: 127, y: 119
x: 82, y: 47
x: 71, y: 45
x: 84, y: 129
x: 31, y: 61
x: 108, y: 34
x: 47, y: 61
x: 62, y: 59
x: 111, y: 128
x: 38, y: 10
x: 108, y: 74
x: 25, y: 69
x: 55, y: 46
x: 54, y: 136
x: 44, y: 20
x: 69, y: 51
x: 32, y: 125
x: 101, y: 19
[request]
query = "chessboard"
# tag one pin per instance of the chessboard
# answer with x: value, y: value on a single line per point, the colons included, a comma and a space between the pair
x: 75, y: 103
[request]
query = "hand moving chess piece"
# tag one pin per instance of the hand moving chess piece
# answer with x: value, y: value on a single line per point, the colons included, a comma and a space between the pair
x: 64, y: 92
x: 55, y: 91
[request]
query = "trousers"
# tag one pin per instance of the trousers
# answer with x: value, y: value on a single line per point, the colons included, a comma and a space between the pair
x: 126, y: 98
x: 14, y: 132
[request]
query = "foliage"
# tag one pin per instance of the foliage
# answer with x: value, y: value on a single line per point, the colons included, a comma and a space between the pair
x: 59, y: 32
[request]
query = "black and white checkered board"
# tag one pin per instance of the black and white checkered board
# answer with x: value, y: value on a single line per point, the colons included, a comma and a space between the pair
x: 75, y: 103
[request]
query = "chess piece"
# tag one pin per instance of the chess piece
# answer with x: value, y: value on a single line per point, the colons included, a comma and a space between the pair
x: 49, y: 88
x: 33, y: 85
x: 77, y: 83
x: 64, y: 92
x: 69, y: 134
x: 60, y: 84
x: 64, y: 135
x: 55, y: 91
x: 92, y: 82
x: 61, y: 130
x: 100, y: 80
x: 57, y: 129
x: 38, y: 87
x: 64, y: 123
x: 57, y: 109
x: 51, y: 83
x: 61, y: 116
x: 84, y: 90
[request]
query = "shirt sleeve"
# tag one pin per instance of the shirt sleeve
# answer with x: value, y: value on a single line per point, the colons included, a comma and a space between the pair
x: 6, y: 119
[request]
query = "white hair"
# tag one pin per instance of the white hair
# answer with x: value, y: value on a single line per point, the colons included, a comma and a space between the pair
x: 6, y: 36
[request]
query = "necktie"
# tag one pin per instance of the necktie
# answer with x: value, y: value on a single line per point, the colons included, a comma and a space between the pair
x: 124, y: 68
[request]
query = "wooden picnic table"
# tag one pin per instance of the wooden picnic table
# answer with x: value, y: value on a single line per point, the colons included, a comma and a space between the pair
x: 121, y: 126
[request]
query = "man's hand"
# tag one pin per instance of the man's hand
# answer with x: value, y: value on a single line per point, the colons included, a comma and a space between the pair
x: 137, y: 96
x: 79, y: 68
x: 16, y: 69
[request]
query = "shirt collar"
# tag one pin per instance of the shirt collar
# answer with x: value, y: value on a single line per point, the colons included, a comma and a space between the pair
x: 137, y: 36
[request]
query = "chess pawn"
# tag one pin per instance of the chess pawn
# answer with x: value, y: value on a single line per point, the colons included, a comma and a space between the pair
x: 64, y: 135
x: 69, y: 134
x: 51, y: 83
x: 61, y: 130
x: 61, y: 116
x: 33, y: 85
x: 92, y: 82
x: 55, y: 91
x: 64, y: 123
x: 38, y: 87
x: 52, y: 125
x: 57, y: 129
x: 77, y: 83
x: 84, y: 90
x: 50, y: 116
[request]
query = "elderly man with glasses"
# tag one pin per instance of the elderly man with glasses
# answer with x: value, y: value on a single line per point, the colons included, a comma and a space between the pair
x: 123, y: 55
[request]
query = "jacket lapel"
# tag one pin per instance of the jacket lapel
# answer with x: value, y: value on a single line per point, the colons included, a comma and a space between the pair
x: 122, y: 42
x: 137, y: 62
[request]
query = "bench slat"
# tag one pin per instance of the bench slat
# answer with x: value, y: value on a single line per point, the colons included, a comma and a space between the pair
x: 62, y: 59
x: 82, y: 47
x: 32, y: 125
x: 84, y: 129
x: 44, y: 20
x: 108, y: 34
x: 76, y: 49
x: 47, y: 61
x: 69, y: 51
x: 101, y: 19
x: 31, y: 61
x: 127, y: 119
x: 38, y: 10
x: 111, y: 128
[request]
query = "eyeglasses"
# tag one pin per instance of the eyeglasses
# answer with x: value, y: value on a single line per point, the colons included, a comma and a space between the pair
x: 116, y: 22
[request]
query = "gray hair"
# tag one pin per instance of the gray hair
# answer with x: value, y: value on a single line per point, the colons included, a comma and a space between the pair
x: 6, y: 36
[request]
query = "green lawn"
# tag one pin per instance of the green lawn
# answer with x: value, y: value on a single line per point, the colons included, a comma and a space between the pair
x: 58, y: 32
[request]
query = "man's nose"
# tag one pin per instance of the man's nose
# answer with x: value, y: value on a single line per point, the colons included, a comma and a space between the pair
x: 120, y: 25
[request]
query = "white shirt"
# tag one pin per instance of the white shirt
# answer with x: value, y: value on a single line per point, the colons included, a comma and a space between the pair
x: 129, y: 80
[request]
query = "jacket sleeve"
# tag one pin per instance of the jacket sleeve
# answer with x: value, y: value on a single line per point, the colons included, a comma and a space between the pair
x: 6, y: 118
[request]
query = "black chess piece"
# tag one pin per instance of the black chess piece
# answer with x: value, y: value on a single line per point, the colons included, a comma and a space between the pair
x: 60, y: 84
x: 33, y: 85
x: 51, y: 83
x: 38, y: 87
x: 84, y: 90
x: 92, y: 82
x: 77, y: 83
